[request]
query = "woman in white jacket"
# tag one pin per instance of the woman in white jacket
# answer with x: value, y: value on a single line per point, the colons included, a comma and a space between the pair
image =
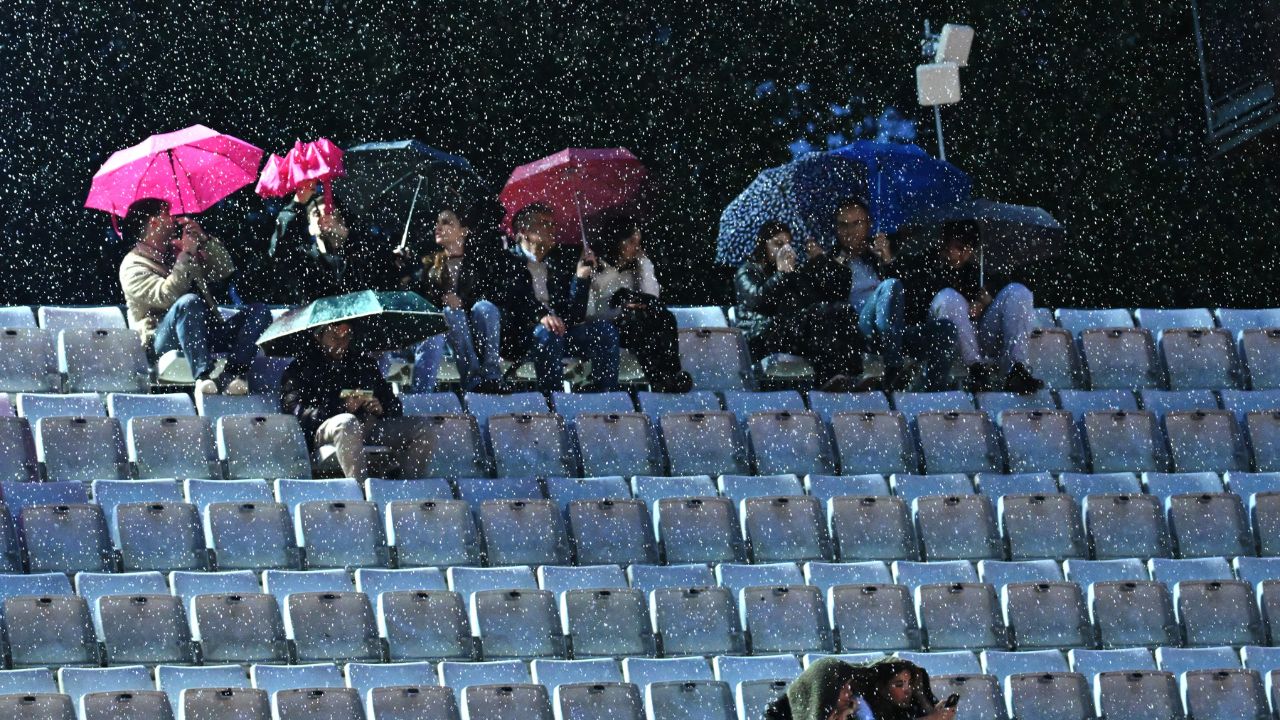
x: 625, y: 291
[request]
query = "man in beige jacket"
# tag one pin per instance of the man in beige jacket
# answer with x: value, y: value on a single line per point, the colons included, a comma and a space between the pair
x: 168, y: 279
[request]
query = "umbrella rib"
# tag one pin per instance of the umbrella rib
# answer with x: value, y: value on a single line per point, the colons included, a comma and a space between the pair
x: 174, y: 163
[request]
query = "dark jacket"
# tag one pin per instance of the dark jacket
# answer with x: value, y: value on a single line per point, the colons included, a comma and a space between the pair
x: 301, y: 273
x: 813, y: 695
x: 925, y: 276
x: 883, y: 672
x: 482, y: 275
x: 764, y: 294
x: 312, y: 384
x: 568, y: 294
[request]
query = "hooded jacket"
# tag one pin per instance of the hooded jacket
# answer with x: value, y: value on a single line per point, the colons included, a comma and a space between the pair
x: 882, y: 673
x: 813, y: 695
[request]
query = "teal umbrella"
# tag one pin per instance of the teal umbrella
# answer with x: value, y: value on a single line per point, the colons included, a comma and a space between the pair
x: 381, y: 321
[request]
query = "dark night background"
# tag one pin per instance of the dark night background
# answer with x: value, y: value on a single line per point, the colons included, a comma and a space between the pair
x: 1090, y: 109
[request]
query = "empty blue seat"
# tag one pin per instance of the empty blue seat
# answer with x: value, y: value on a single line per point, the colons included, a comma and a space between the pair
x: 1245, y: 484
x: 1000, y: 573
x: 1172, y: 571
x: 1053, y: 358
x: 912, y: 487
x: 482, y: 407
x: 1121, y: 358
x: 1179, y: 660
x: 1124, y: 441
x: 103, y: 360
x: 439, y: 403
x: 955, y: 662
x: 507, y: 701
x: 559, y: 578
x: 274, y: 678
x: 78, y: 682
x: 1251, y: 319
x: 384, y: 492
x: 282, y: 583
x: 1076, y: 320
x: 872, y: 528
x: 617, y: 444
x: 736, y: 576
x: 174, y: 679
x: 1092, y: 662
x: 126, y: 406
x: 1079, y: 485
x: 445, y: 445
x: 173, y: 447
x: 475, y: 490
x: 611, y: 532
x: 1123, y: 526
x: 18, y: 459
x: 827, y: 404
x: 462, y: 675
x: 1002, y: 664
x: 28, y: 682
x: 1042, y: 526
x: 215, y: 406
x: 826, y: 575
x: 1162, y: 319
x: 522, y: 532
x: 644, y: 671
x: 1200, y: 359
x: 530, y: 444
x: 34, y: 406
x: 110, y: 494
x: 825, y: 487
x: 699, y: 316
x: 790, y: 442
x: 957, y: 526
x: 188, y: 584
x: 1042, y: 441
x: 337, y: 626
x: 263, y: 446
x: 375, y: 581
x: 914, y: 574
x: 911, y: 404
x: 873, y: 616
x: 1255, y: 570
x: 784, y: 529
x: 17, y: 316
x: 1087, y: 572
x: 1161, y: 402
x: 554, y: 673
x: 995, y: 486
x: 364, y: 677
x: 1202, y: 440
x: 650, y: 577
x: 651, y: 488
x: 741, y: 487
x: 874, y: 442
x: 959, y: 442
x: 65, y: 538
x: 466, y: 580
x: 704, y: 443
x: 1079, y: 402
x: 81, y: 448
x: 717, y: 358
x: 1164, y: 485
x: 80, y: 318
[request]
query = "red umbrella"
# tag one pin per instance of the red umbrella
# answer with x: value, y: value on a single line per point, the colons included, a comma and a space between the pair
x: 319, y: 160
x: 577, y: 183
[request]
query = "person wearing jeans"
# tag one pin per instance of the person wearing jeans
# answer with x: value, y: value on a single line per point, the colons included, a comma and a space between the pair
x: 881, y: 307
x: 169, y: 280
x: 544, y: 315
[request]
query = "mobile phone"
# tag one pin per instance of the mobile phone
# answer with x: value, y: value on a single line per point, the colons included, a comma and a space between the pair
x: 952, y: 700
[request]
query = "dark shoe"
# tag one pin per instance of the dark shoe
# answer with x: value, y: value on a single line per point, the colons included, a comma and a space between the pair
x: 681, y: 382
x: 837, y: 383
x: 981, y: 378
x: 493, y: 387
x: 1021, y: 381
x: 869, y: 383
x: 899, y: 379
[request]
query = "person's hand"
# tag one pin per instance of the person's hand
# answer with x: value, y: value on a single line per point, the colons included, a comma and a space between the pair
x: 786, y: 259
x: 881, y: 246
x: 372, y: 406
x: 586, y: 264
x: 813, y: 249
x: 352, y: 404
x: 554, y: 324
x: 979, y: 306
x: 452, y: 300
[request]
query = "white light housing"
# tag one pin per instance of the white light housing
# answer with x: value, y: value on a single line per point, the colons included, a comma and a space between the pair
x: 954, y: 44
x: 938, y: 84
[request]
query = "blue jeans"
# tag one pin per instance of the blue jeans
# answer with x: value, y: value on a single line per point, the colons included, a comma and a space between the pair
x: 882, y: 320
x: 474, y: 336
x: 999, y: 334
x: 199, y: 332
x: 596, y: 341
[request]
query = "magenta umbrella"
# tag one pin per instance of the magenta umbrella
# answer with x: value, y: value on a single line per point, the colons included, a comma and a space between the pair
x: 190, y: 169
x: 319, y: 160
x: 577, y: 184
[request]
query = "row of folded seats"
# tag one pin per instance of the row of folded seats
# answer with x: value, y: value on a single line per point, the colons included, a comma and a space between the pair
x: 131, y: 525
x: 78, y: 349
x: 469, y: 627
x: 698, y: 433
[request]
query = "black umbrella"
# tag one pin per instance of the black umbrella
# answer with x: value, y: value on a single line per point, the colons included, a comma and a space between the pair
x: 1009, y: 235
x: 404, y: 183
x: 380, y: 321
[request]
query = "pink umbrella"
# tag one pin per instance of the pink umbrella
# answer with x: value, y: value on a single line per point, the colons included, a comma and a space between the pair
x: 577, y: 183
x: 191, y: 169
x: 319, y: 160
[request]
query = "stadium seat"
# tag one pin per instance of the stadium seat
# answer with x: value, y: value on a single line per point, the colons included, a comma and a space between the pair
x: 790, y: 442
x: 1092, y: 662
x: 1136, y: 695
x: 20, y: 495
x: 1263, y: 429
x: 954, y: 527
x: 780, y: 529
x: 617, y: 532
x: 824, y: 575
x: 215, y: 406
x: 995, y: 486
x: 1162, y: 402
x: 126, y: 406
x: 18, y: 459
x: 146, y: 629
x: 173, y: 447
x: 1124, y: 441
x: 597, y: 701
x: 703, y: 443
x: 872, y: 528
x: 1224, y: 694
x: 564, y: 491
x: 827, y: 404
x: 788, y: 618
x: 28, y: 361
x: 424, y: 625
x: 1080, y: 402
x: 332, y: 626
x: 282, y: 583
x: 445, y: 445
x: 1166, y: 485
x: 960, y: 616
x: 384, y: 491
x: 475, y: 490
x: 826, y: 487
x: 955, y: 662
x: 1042, y: 526
x: 716, y: 358
x: 959, y: 442
x: 611, y: 622
x: 173, y: 680
x: 740, y: 487
x: 303, y: 703
x: 517, y: 624
x: 1050, y: 614
x: 1125, y: 526
x: 507, y: 702
x: 1200, y: 358
x: 696, y: 621
x: 432, y: 533
x: 655, y: 405
x: 873, y: 616
x: 467, y: 580
x: 755, y: 681
x: 1209, y: 525
x: 651, y: 577
x: 239, y: 627
x: 41, y: 706
x: 736, y: 576
x: 1121, y: 358
x: 652, y: 488
x: 263, y: 446
x: 1081, y: 485
x: 438, y: 403
x: 995, y: 403
x: 1052, y: 357
x: 1076, y: 320
x: 561, y: 578
x: 65, y: 538
x: 17, y: 316
x: 274, y: 678
x: 81, y: 448
x: 340, y: 534
x: 1000, y: 572
x: 103, y: 360
x: 530, y: 444
x: 1205, y: 440
x: 251, y: 535
x: 700, y: 316
x: 162, y: 536
x: 522, y: 532
x: 617, y: 444
x: 912, y: 487
x: 1258, y: 349
x: 34, y: 406
x: 873, y: 442
x: 1174, y: 571
x: 49, y: 630
x: 1042, y: 441
x: 914, y: 574
x: 375, y: 581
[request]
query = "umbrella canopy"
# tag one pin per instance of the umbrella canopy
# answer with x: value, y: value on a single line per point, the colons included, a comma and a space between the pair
x: 190, y: 169
x: 1010, y: 235
x: 577, y: 184
x: 404, y: 183
x: 319, y: 160
x: 903, y: 181
x: 819, y: 183
x: 768, y: 197
x: 381, y: 321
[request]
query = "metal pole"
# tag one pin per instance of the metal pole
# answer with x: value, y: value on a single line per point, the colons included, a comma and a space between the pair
x: 404, y: 238
x: 937, y: 121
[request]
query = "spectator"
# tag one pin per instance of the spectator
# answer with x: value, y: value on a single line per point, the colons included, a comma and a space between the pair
x: 460, y: 279
x: 991, y: 333
x: 338, y: 396
x: 170, y: 280
x: 625, y: 292
x: 900, y: 691
x: 829, y: 689
x: 803, y: 310
x: 880, y: 304
x: 544, y: 310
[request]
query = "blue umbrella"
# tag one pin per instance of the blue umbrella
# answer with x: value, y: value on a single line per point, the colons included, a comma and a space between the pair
x: 904, y: 181
x: 819, y: 183
x: 768, y: 197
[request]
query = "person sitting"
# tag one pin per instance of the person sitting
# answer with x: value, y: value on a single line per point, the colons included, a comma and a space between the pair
x: 829, y: 689
x: 170, y: 281
x: 544, y: 309
x: 880, y: 304
x: 625, y: 291
x: 459, y: 280
x: 783, y: 307
x: 991, y: 332
x: 339, y: 397
x: 900, y: 691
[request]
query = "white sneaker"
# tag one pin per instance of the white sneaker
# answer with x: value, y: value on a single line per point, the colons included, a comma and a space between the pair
x: 206, y: 387
x: 237, y: 386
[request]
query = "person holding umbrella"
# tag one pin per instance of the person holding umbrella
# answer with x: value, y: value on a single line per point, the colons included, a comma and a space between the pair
x: 544, y: 309
x: 787, y: 307
x: 170, y: 279
x: 625, y: 291
x: 880, y: 304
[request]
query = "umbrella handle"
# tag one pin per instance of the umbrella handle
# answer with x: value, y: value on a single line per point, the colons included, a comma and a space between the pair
x: 582, y: 229
x: 328, y: 196
x: 404, y: 237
